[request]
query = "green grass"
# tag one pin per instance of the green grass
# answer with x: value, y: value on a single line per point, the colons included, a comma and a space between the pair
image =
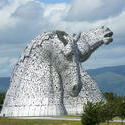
x: 70, y: 116
x: 112, y: 123
x: 7, y: 121
x: 116, y: 117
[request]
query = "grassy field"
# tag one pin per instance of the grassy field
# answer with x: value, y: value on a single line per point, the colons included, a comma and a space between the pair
x: 6, y: 121
x: 112, y: 123
x: 69, y: 116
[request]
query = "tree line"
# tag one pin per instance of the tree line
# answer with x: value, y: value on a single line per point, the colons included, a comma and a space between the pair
x: 95, y: 113
x: 2, y: 96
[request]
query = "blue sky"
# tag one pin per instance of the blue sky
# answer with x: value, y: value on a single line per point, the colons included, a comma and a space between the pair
x: 22, y: 20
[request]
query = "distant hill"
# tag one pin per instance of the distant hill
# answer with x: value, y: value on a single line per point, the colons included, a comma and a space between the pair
x: 4, y: 83
x: 108, y: 78
x: 115, y: 69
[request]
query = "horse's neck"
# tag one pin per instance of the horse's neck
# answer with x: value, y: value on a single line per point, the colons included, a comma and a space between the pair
x: 94, y: 45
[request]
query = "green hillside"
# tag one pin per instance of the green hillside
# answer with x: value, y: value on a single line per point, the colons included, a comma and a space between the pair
x: 110, y: 78
x: 110, y: 81
x: 115, y: 69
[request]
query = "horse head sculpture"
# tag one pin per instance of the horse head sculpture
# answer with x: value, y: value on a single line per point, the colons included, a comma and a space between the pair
x: 49, y: 66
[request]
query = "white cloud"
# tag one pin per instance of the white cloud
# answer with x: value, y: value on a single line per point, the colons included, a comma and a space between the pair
x: 8, y: 8
x: 6, y: 65
x: 6, y: 60
x: 56, y: 10
x: 102, y: 62
x: 116, y: 23
x: 32, y: 10
x: 4, y: 72
x: 13, y: 61
x: 10, y: 50
x: 3, y: 3
x: 106, y: 56
x: 88, y: 10
x: 3, y: 60
x: 80, y: 10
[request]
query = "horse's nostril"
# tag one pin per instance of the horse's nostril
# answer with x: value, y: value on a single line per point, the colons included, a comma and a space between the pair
x: 109, y: 34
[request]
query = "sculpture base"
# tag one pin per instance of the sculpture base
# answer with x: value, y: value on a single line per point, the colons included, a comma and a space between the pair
x: 35, y: 111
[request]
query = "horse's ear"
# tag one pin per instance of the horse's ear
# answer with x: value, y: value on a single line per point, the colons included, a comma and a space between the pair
x: 61, y: 37
x: 76, y: 37
x: 67, y: 49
